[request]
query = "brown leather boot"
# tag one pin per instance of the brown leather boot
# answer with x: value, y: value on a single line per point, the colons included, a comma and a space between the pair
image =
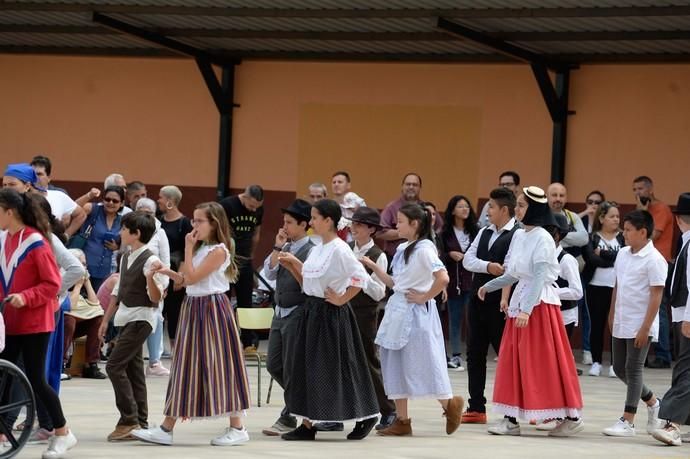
x: 453, y: 414
x: 400, y: 428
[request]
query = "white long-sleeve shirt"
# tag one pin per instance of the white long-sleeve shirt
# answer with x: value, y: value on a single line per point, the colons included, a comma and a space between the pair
x: 375, y: 288
x: 683, y: 314
x: 476, y: 265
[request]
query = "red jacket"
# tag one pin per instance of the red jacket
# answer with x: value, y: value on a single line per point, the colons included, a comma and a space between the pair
x: 28, y: 268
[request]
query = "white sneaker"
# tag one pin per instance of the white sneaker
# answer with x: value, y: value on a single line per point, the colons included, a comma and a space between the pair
x: 621, y: 428
x: 457, y: 363
x: 58, y: 445
x: 612, y: 374
x: 586, y: 358
x: 155, y: 435
x: 595, y: 370
x: 504, y: 427
x: 157, y: 369
x: 669, y: 435
x: 653, y: 421
x: 547, y: 425
x: 567, y: 428
x: 231, y: 437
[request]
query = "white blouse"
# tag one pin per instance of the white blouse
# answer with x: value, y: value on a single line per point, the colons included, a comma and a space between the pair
x: 529, y: 248
x: 417, y: 273
x: 333, y: 265
x: 214, y: 283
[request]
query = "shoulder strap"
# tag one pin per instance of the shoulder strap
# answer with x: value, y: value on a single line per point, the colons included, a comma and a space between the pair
x: 561, y: 255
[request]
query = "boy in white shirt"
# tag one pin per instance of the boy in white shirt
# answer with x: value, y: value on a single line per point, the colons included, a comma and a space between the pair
x: 634, y: 317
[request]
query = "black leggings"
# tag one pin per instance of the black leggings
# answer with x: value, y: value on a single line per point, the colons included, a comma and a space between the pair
x: 33, y: 348
x: 599, y: 304
x: 171, y: 309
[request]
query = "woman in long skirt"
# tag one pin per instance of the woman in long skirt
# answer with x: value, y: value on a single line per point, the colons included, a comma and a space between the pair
x: 207, y: 376
x: 536, y: 376
x: 330, y: 380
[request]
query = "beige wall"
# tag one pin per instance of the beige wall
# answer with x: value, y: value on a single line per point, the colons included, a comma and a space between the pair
x: 153, y: 119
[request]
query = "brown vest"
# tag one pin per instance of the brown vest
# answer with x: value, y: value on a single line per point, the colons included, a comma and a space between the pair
x: 362, y: 300
x: 132, y: 291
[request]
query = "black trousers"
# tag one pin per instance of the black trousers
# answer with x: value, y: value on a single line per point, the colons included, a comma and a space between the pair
x: 675, y: 406
x: 599, y: 304
x: 33, y: 348
x: 485, y: 327
x: 281, y: 343
x: 367, y: 322
x: 244, y: 287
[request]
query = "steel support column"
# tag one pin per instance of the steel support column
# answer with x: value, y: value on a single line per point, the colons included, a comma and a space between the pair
x: 225, y: 138
x: 560, y: 128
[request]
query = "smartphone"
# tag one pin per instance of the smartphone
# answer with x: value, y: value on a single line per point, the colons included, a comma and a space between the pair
x: 111, y: 236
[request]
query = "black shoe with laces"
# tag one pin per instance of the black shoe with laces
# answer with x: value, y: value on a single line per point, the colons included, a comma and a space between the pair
x: 362, y: 429
x: 302, y: 433
x: 93, y: 372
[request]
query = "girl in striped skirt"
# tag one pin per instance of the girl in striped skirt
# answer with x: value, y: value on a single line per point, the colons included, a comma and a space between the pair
x: 207, y: 375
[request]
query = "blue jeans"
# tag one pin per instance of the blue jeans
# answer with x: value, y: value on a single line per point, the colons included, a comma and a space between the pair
x: 456, y: 312
x: 662, y: 349
x: 154, y: 343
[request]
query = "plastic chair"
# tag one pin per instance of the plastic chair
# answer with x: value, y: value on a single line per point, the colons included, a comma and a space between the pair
x: 256, y: 319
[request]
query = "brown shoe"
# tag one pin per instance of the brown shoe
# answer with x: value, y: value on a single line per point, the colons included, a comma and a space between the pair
x: 453, y: 414
x: 399, y: 428
x: 473, y: 417
x: 123, y: 433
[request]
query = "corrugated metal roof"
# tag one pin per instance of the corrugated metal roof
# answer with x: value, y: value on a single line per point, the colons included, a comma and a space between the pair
x: 22, y: 28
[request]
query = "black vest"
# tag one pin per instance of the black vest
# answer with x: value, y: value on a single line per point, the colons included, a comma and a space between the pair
x: 362, y: 300
x: 679, y: 290
x: 496, y: 254
x: 288, y: 291
x: 562, y: 283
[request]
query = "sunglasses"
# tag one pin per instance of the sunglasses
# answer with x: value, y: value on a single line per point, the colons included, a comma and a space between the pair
x: 112, y: 201
x: 593, y: 202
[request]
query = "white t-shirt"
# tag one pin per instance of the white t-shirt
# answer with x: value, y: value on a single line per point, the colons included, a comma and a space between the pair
x: 529, y: 248
x: 417, y: 273
x: 333, y: 265
x: 635, y: 274
x: 60, y: 204
x: 605, y: 277
x: 214, y: 283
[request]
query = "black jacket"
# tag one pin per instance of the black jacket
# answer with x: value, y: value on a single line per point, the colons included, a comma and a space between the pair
x: 605, y: 259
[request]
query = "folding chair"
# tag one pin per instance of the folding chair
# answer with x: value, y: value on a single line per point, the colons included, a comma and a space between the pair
x: 256, y: 319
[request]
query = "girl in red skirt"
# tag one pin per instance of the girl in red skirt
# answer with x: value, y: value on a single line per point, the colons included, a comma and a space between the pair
x: 536, y: 376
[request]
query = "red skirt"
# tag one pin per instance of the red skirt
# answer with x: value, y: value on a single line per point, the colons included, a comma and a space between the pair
x: 536, y: 377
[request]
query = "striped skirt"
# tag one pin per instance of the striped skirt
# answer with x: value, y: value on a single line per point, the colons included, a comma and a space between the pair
x: 208, y: 377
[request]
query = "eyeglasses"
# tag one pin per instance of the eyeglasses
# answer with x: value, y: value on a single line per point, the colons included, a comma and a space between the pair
x: 506, y: 184
x: 197, y: 221
x: 593, y: 202
x: 111, y: 200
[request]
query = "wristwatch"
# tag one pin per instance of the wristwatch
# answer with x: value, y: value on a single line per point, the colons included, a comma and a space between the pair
x: 277, y: 248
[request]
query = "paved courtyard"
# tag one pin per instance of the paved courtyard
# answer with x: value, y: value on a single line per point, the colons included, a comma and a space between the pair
x: 90, y: 408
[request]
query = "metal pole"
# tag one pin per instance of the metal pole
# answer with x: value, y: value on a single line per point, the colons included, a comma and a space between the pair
x: 225, y: 138
x: 560, y: 128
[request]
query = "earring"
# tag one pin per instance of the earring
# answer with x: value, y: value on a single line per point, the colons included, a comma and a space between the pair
x: 169, y: 206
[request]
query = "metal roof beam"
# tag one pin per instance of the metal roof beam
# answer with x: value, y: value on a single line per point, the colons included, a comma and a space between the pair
x: 500, y: 46
x: 160, y: 40
x: 468, y: 13
x: 657, y: 35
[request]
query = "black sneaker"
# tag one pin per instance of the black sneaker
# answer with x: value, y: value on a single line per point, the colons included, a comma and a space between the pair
x: 93, y: 372
x: 329, y: 427
x: 302, y: 433
x: 386, y: 421
x: 362, y: 429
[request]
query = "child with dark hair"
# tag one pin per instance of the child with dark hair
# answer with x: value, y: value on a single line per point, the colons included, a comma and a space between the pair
x: 30, y: 285
x: 640, y: 272
x: 134, y: 303
x: 330, y: 380
x: 536, y: 376
x: 411, y: 323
